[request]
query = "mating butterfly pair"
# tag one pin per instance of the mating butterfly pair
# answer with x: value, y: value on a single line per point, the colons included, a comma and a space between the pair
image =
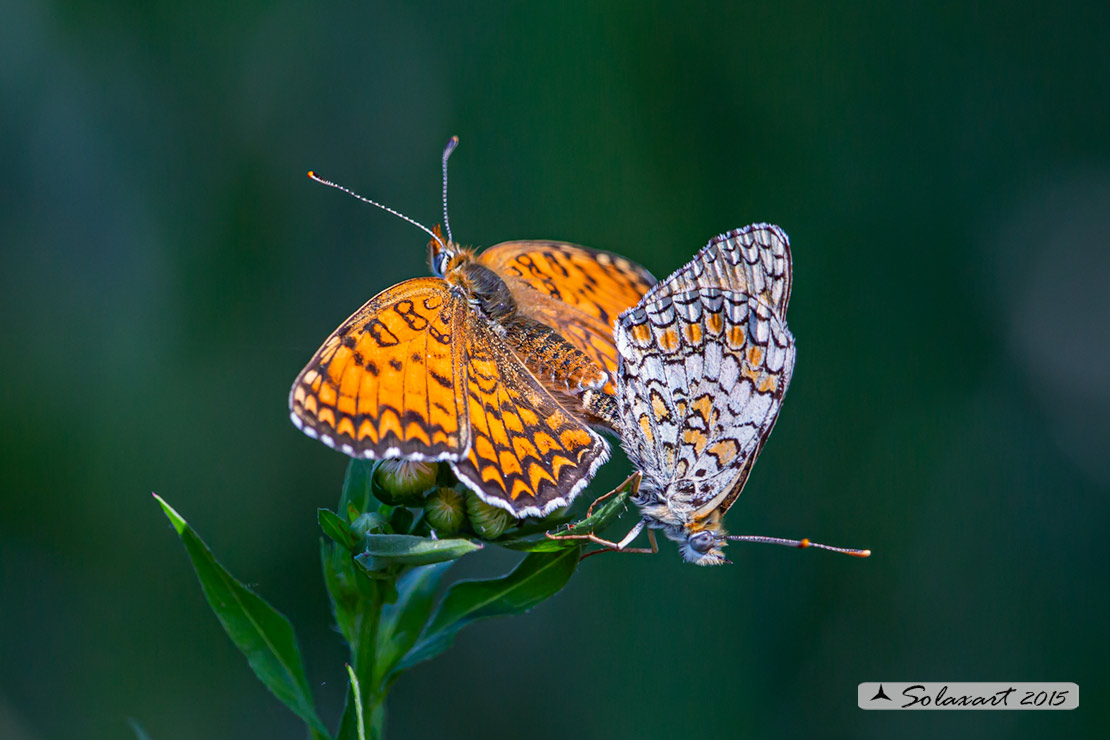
x: 500, y: 364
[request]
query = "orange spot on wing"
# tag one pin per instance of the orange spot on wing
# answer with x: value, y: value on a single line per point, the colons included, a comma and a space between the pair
x: 508, y: 462
x: 366, y: 430
x: 573, y: 439
x: 545, y: 442
x: 417, y: 431
x: 524, y: 448
x: 724, y: 450
x: 483, y: 449
x: 715, y: 322
x: 390, y: 422
x: 537, y: 474
x: 558, y: 462
x: 520, y: 488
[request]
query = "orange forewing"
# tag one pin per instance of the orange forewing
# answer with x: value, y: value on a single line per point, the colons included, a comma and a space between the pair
x: 389, y: 382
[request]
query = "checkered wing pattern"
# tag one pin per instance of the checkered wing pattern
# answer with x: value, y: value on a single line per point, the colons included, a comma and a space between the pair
x: 705, y: 359
x: 754, y: 260
x: 389, y: 382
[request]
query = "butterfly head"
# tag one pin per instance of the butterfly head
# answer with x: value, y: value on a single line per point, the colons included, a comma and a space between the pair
x: 702, y: 542
x: 444, y: 255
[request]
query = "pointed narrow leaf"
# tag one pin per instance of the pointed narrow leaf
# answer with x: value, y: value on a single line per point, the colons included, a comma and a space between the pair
x: 401, y: 623
x: 537, y: 577
x: 383, y: 550
x: 336, y: 528
x: 356, y: 697
x: 260, y: 632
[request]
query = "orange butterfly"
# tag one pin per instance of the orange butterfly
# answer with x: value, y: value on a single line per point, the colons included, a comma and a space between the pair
x: 482, y: 366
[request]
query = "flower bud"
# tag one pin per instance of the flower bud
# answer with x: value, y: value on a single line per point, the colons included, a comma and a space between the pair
x: 445, y: 510
x: 488, y: 522
x: 404, y: 482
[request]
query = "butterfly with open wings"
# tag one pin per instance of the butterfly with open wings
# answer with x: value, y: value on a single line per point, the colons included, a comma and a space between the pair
x: 482, y: 366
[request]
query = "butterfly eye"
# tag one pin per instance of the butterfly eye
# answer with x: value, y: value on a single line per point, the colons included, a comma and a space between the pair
x: 702, y: 542
x: 440, y: 259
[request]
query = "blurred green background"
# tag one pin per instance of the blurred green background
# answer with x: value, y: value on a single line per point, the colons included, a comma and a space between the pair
x: 943, y: 171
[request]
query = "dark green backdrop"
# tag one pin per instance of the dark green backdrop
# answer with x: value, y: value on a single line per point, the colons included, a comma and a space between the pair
x: 943, y: 172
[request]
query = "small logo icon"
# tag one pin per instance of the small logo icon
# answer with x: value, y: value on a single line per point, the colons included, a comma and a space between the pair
x: 880, y: 694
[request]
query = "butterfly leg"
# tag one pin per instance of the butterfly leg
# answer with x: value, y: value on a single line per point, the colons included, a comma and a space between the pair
x: 622, y: 546
x: 633, y: 480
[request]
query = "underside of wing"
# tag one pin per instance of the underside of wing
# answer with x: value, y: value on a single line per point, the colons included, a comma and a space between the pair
x: 703, y: 373
x: 754, y: 260
x: 389, y: 382
x: 528, y: 454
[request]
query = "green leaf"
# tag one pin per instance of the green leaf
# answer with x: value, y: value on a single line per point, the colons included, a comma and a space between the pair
x: 356, y: 697
x: 336, y: 528
x: 384, y: 550
x: 260, y: 632
x: 401, y: 623
x: 537, y: 577
x: 605, y: 515
x: 536, y: 544
x: 358, y: 487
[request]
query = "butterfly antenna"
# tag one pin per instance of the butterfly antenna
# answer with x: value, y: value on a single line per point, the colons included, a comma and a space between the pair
x: 451, y: 144
x: 313, y: 176
x: 800, y: 544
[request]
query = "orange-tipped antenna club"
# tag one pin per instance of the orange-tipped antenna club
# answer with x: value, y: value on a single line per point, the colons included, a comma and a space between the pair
x: 802, y: 543
x: 313, y: 176
x: 451, y: 144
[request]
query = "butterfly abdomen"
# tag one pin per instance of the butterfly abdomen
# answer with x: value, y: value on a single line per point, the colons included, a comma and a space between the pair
x: 552, y: 358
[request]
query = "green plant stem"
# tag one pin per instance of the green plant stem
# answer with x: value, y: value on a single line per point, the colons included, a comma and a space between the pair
x: 373, y: 694
x: 357, y: 602
x: 376, y: 708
